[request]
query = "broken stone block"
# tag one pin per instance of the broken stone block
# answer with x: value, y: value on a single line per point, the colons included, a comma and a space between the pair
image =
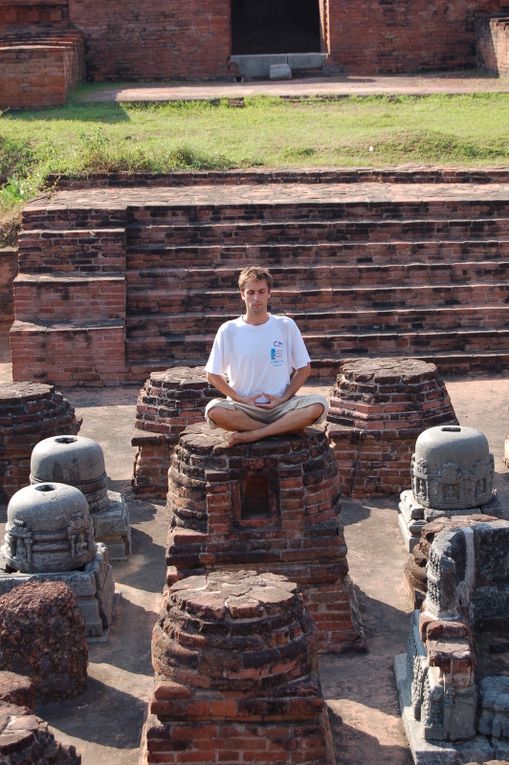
x: 280, y: 72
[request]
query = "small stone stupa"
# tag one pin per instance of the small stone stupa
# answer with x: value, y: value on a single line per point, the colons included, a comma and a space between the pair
x: 451, y: 474
x: 79, y: 461
x: 49, y: 536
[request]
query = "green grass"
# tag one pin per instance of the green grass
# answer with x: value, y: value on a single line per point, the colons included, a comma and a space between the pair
x: 80, y: 138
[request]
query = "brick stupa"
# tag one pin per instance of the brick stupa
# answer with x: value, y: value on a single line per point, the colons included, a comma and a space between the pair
x: 236, y: 675
x: 273, y: 506
x: 378, y: 407
x: 29, y: 412
x: 168, y: 402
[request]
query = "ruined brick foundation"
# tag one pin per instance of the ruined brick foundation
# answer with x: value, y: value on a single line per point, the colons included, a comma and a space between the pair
x: 168, y: 402
x: 378, y: 407
x: 271, y: 505
x: 236, y: 675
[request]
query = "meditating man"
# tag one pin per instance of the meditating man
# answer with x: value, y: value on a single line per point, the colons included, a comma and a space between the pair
x: 265, y: 362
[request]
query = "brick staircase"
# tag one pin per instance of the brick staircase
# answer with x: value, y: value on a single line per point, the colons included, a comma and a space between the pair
x: 140, y: 279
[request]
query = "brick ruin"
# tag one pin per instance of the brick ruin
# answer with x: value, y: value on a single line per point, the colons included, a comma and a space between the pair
x: 46, y: 47
x: 236, y: 675
x: 272, y: 506
x: 8, y: 270
x: 29, y: 412
x: 168, y: 402
x: 112, y: 277
x: 378, y: 407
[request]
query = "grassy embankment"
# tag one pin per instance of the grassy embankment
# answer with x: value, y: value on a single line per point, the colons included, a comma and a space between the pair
x: 469, y: 131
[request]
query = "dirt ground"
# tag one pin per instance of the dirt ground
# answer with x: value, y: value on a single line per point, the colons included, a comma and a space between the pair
x: 104, y: 723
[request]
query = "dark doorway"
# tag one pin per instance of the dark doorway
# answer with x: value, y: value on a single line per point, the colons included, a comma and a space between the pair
x: 275, y: 26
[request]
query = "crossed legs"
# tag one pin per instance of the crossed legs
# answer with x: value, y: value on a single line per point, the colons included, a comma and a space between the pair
x: 246, y: 429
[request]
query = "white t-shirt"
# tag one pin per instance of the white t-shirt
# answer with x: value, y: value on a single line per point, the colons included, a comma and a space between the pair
x: 258, y: 358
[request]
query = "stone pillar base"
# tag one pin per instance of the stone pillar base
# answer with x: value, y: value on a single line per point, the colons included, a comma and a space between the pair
x: 413, y: 516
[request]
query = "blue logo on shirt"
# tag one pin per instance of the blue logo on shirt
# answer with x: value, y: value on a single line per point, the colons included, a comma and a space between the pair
x: 276, y: 353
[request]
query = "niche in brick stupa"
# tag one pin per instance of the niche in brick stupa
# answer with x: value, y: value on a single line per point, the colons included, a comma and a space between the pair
x: 256, y: 502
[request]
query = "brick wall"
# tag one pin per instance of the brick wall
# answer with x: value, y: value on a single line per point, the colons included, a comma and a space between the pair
x: 8, y: 270
x: 86, y: 355
x: 157, y: 40
x: 492, y: 44
x: 150, y: 39
x: 403, y: 35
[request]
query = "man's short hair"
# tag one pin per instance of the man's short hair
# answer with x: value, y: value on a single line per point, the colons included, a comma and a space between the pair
x: 254, y: 272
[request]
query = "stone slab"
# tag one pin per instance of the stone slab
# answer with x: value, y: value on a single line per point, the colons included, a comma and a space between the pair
x: 258, y: 65
x: 304, y: 61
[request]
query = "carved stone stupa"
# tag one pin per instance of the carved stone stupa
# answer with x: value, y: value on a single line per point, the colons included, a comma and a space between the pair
x: 451, y: 474
x: 49, y: 536
x: 79, y: 462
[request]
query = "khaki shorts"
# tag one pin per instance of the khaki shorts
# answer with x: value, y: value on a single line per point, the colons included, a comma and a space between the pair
x: 269, y: 415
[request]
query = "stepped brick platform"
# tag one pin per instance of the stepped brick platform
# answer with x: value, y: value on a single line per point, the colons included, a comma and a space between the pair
x: 271, y: 505
x: 39, y: 64
x: 29, y: 412
x: 168, y: 402
x: 120, y: 281
x: 236, y: 675
x: 378, y: 407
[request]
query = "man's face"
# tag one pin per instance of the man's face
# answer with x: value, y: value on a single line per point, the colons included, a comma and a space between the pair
x: 256, y: 296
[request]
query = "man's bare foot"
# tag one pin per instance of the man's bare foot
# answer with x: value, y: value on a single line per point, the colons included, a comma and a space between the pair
x: 243, y: 437
x: 248, y: 436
